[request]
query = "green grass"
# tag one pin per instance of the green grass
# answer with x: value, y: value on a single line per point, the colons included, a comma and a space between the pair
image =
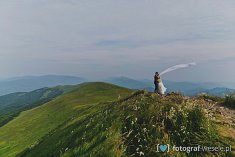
x: 32, y: 125
x: 229, y: 101
x: 131, y: 127
x: 12, y: 104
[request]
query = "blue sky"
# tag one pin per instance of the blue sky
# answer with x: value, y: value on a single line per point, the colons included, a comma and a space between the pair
x: 107, y: 38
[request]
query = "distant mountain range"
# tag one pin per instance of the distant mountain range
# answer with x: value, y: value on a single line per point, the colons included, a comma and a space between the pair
x: 30, y: 83
x: 187, y: 88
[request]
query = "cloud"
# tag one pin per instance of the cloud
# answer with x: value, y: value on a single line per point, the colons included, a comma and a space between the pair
x: 113, y: 34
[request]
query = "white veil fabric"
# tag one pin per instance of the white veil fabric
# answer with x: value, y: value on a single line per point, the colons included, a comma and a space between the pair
x: 161, y: 87
x: 179, y: 66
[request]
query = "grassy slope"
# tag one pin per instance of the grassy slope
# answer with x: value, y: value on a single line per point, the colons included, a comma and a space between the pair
x: 12, y: 104
x: 132, y: 126
x: 30, y: 126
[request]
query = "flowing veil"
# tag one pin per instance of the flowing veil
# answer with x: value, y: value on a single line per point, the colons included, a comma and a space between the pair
x: 161, y: 87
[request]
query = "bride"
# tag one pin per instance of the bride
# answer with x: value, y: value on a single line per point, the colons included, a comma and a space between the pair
x: 159, y: 87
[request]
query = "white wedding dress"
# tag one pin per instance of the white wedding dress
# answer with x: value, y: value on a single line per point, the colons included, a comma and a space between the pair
x: 161, y: 88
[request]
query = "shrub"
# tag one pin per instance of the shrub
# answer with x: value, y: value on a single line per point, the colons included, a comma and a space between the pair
x: 230, y: 101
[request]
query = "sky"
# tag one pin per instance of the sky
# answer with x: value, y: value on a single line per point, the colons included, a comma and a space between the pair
x: 109, y: 38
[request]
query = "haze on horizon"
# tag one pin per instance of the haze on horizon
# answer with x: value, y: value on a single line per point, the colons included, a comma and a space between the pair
x: 107, y: 38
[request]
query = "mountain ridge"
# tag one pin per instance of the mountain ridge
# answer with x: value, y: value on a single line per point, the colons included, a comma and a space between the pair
x: 187, y: 88
x: 11, y: 105
x: 33, y: 124
x: 102, y: 119
x: 29, y: 83
x: 120, y: 128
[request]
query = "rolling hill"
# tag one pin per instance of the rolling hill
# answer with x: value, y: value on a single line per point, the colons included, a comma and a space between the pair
x: 31, y: 125
x: 100, y: 119
x: 134, y: 126
x: 12, y: 104
x: 29, y: 83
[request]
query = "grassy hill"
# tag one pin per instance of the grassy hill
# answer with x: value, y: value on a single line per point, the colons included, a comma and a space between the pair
x: 134, y: 126
x: 103, y: 120
x: 31, y: 125
x: 12, y: 104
